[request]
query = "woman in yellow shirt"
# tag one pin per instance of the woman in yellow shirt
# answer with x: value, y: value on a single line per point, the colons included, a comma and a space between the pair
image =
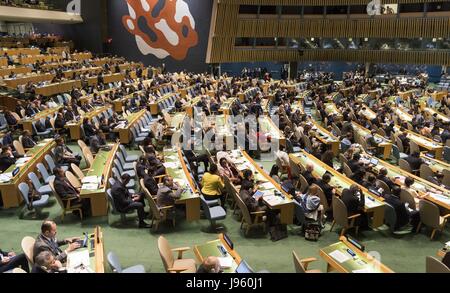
x: 212, y: 185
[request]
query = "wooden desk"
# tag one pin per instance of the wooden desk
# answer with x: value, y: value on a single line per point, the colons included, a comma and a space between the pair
x: 249, y: 92
x: 184, y: 92
x: 181, y: 175
x: 326, y: 137
x: 35, y: 58
x: 10, y: 190
x: 91, y: 70
x: 75, y: 128
x: 373, y: 204
x: 267, y: 185
x: 403, y: 115
x: 154, y: 107
x: 430, y: 145
x: 268, y: 126
x: 331, y: 109
x: 408, y: 94
x: 95, y: 250
x: 226, y: 106
x: 440, y: 196
x: 211, y: 248
x: 28, y: 123
x: 190, y: 105
x: 438, y: 96
x: 101, y: 167
x: 362, y: 262
x: 81, y: 56
x: 36, y: 78
x: 110, y: 78
x: 437, y: 166
x: 19, y: 51
x: 14, y: 69
x: 369, y: 114
x: 58, y: 88
x: 383, y: 143
x: 440, y: 116
x: 125, y: 133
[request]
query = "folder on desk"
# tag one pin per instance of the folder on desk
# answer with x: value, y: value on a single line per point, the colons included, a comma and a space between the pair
x: 90, y: 186
x: 90, y: 180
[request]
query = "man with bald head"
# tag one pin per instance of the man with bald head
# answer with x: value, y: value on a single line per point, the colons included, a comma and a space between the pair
x: 308, y: 174
x: 46, y: 241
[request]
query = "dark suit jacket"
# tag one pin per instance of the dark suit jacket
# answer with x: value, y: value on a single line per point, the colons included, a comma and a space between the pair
x: 400, y: 210
x: 327, y: 189
x: 28, y: 142
x: 44, y: 244
x: 60, y: 123
x: 249, y: 201
x: 121, y: 196
x: 6, y: 162
x: 69, y: 116
x: 354, y: 204
x: 414, y: 162
x: 63, y: 188
x: 150, y: 184
x: 354, y: 165
x: 386, y: 180
x: 309, y: 177
x: 89, y: 130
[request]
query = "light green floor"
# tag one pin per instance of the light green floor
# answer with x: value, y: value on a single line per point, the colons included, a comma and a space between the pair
x: 139, y: 246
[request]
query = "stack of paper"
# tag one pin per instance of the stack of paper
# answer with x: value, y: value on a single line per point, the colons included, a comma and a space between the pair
x: 339, y: 256
x: 77, y: 258
x: 6, y: 177
x: 90, y: 180
x: 225, y: 262
x: 272, y: 200
x: 23, y: 160
x: 170, y: 165
x: 90, y: 186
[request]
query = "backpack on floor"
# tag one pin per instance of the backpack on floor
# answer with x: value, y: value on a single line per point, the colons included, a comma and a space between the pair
x: 278, y: 232
x: 312, y: 231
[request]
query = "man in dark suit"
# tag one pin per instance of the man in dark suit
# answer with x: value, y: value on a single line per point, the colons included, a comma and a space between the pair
x: 327, y: 189
x: 98, y: 141
x: 382, y: 176
x: 403, y: 215
x: 414, y: 161
x: 63, y: 187
x: 151, y: 184
x: 405, y: 140
x: 6, y: 158
x: 70, y: 115
x: 9, y: 261
x: 46, y: 241
x: 353, y: 199
x: 27, y: 140
x: 124, y: 201
x: 355, y: 164
x: 308, y: 174
x: 89, y: 129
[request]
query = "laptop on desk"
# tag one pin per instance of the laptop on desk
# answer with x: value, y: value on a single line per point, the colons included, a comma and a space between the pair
x: 244, y: 268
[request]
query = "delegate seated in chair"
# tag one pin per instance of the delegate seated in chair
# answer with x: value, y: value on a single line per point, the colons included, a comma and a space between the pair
x: 354, y: 200
x: 168, y: 193
x: 6, y: 158
x: 67, y: 191
x: 9, y: 261
x: 124, y: 201
x: 310, y: 203
x: 46, y: 241
x: 404, y: 215
x: 63, y: 155
x: 212, y: 185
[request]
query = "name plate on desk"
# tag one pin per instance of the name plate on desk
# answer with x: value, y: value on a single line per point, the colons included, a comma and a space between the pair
x: 90, y: 186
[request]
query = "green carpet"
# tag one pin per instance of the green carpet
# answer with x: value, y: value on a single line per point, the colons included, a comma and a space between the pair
x: 404, y: 253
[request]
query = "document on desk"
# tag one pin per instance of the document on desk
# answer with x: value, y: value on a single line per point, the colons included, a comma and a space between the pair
x: 340, y: 256
x: 22, y: 160
x: 370, y: 202
x: 76, y: 258
x: 225, y: 262
x: 90, y: 180
x: 272, y: 200
x: 6, y: 177
x: 363, y: 271
x: 266, y: 185
x: 90, y: 186
x: 170, y: 165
